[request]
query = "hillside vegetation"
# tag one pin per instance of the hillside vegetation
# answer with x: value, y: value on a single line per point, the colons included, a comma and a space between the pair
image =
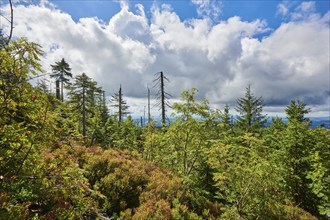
x: 68, y: 158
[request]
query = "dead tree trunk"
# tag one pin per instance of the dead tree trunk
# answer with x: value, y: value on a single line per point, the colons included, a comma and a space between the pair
x: 162, y: 98
x: 120, y: 107
x: 57, y: 87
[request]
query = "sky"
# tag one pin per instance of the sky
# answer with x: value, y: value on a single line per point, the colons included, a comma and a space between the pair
x: 280, y: 48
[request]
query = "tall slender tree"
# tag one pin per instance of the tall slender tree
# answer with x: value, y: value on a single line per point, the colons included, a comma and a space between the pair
x: 61, y: 71
x: 250, y: 110
x: 2, y: 39
x: 103, y: 108
x: 225, y: 116
x: 298, y: 145
x: 149, y: 114
x: 57, y: 87
x: 5, y: 38
x: 79, y: 91
x: 162, y: 96
x: 120, y: 104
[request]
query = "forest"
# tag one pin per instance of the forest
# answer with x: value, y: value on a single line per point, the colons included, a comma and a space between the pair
x: 64, y: 156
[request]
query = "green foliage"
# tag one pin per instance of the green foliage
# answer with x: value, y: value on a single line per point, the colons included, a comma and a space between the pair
x: 297, y: 145
x: 152, y: 141
x: 132, y: 189
x: 120, y: 106
x: 249, y: 182
x: 199, y: 167
x: 125, y: 135
x: 190, y: 107
x: 225, y: 117
x: 296, y: 111
x: 61, y: 71
x: 319, y: 174
x: 88, y: 103
x: 179, y: 147
x: 32, y: 185
x: 250, y: 109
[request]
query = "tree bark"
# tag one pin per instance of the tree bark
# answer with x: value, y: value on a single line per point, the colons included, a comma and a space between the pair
x: 162, y: 98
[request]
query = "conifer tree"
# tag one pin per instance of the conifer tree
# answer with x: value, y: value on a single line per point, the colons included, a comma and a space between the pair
x: 80, y: 92
x: 103, y: 107
x: 296, y: 111
x: 120, y: 104
x: 225, y: 117
x: 57, y: 87
x: 250, y: 110
x: 61, y: 71
x: 149, y: 114
x: 298, y: 146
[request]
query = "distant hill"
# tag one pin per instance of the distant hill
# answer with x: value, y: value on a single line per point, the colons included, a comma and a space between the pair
x: 320, y: 121
x: 316, y: 121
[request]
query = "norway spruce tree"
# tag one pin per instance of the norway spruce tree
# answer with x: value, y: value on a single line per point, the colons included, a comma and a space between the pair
x: 296, y: 111
x: 79, y: 94
x: 250, y: 109
x: 61, y: 71
x: 120, y: 105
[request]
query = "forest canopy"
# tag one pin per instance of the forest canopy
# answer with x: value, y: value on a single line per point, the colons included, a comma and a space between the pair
x: 70, y: 158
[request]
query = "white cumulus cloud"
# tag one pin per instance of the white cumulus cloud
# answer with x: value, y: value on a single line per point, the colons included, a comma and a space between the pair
x: 219, y: 58
x: 208, y: 8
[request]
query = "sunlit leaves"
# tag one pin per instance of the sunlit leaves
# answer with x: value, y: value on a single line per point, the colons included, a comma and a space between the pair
x: 246, y: 177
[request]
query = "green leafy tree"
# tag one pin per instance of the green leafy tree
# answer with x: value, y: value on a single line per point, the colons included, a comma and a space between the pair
x: 185, y: 138
x: 23, y: 108
x: 126, y: 135
x: 61, y: 71
x: 151, y: 142
x: 5, y: 40
x: 319, y: 174
x: 20, y: 59
x: 180, y: 146
x: 248, y: 179
x: 250, y: 109
x: 36, y: 179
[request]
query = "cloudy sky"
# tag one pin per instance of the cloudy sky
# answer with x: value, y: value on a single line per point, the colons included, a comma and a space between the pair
x: 280, y: 47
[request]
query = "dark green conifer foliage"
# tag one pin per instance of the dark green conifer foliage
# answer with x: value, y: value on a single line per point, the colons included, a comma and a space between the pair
x: 296, y: 111
x: 120, y: 104
x: 299, y: 145
x: 103, y: 108
x: 225, y: 117
x: 61, y: 71
x: 57, y: 88
x: 149, y: 114
x: 250, y: 110
x: 200, y: 169
x: 80, y: 97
